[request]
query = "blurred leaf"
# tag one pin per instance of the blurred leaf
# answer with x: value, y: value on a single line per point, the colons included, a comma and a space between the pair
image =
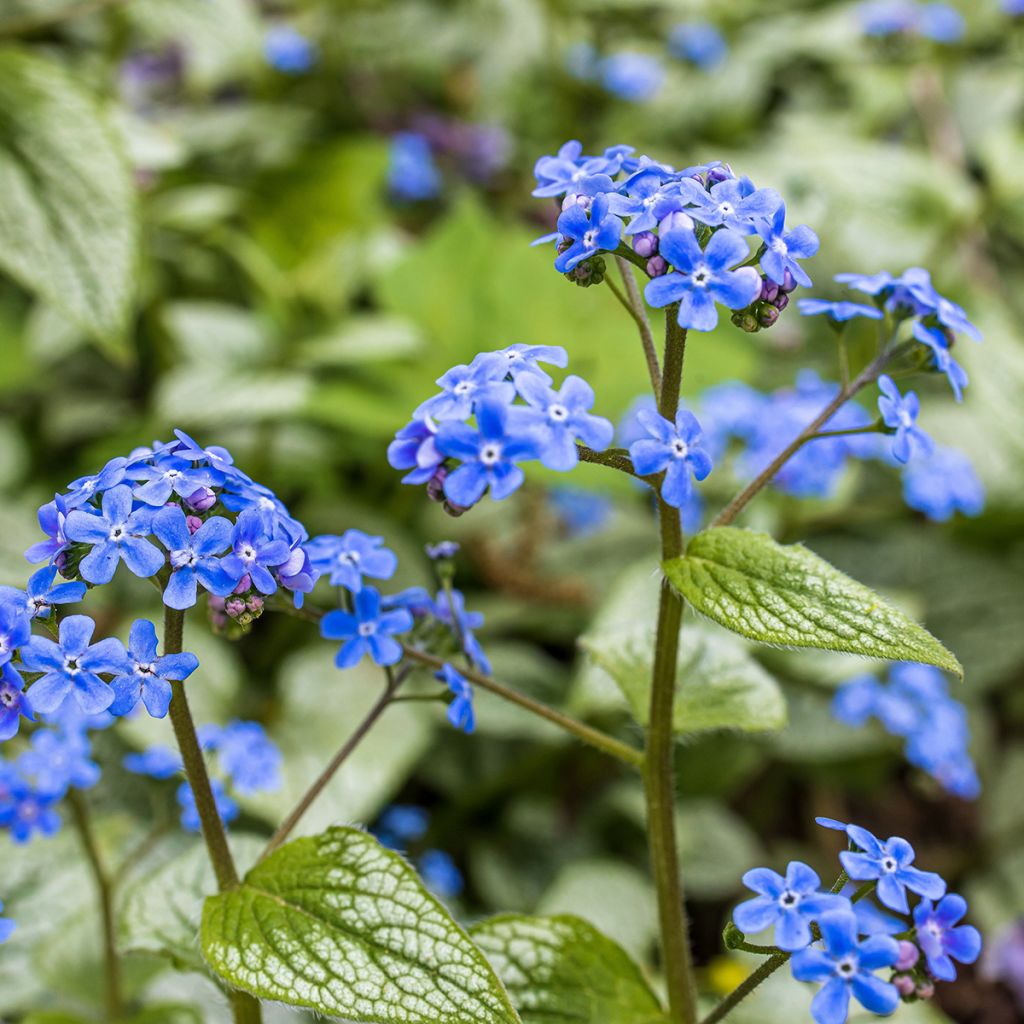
x: 559, y: 967
x: 363, y: 339
x: 67, y: 222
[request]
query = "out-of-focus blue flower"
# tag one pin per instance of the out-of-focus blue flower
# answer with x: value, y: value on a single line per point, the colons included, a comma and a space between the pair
x: 412, y: 174
x: 14, y: 702
x: 524, y: 360
x: 57, y: 762
x: 789, y: 903
x: 463, y: 386
x: 15, y: 624
x: 733, y: 203
x: 345, y: 560
x: 847, y: 966
x: 941, y: 23
x: 674, y: 448
x: 783, y: 248
x: 938, y: 344
x: 193, y: 556
x: 288, y: 50
x: 598, y: 232
x: 891, y: 865
x: 24, y: 810
x: 839, y: 312
x: 460, y: 710
x: 249, y: 758
x: 942, y: 938
x: 888, y: 17
x: 631, y: 76
x: 878, y: 285
x: 463, y: 625
x: 942, y: 484
x: 7, y: 927
x: 900, y: 413
x: 51, y: 517
x: 367, y: 630
x: 702, y: 277
x: 401, y: 824
x: 440, y: 874
x: 414, y: 449
x: 563, y: 416
x: 583, y: 512
x: 699, y: 43
x: 1004, y: 956
x: 156, y: 762
x: 227, y: 809
x: 442, y: 550
x: 148, y: 677
x: 1015, y: 8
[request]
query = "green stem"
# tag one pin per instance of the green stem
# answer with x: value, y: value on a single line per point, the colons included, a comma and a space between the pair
x: 105, y: 892
x: 634, y: 304
x: 615, y: 458
x: 659, y: 773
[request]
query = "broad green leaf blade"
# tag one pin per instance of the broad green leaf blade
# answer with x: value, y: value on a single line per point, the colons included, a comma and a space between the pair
x: 67, y: 220
x: 562, y: 968
x: 787, y: 595
x: 719, y: 684
x: 338, y: 923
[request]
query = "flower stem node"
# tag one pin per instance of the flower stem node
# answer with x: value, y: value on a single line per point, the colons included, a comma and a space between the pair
x: 732, y: 937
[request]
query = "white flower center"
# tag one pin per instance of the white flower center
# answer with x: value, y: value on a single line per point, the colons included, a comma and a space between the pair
x: 558, y: 413
x: 701, y: 275
x: 248, y: 553
x: 789, y: 899
x: 8, y: 695
x: 367, y: 628
x: 780, y: 247
x: 71, y: 665
x: 680, y: 449
x: 183, y: 558
x: 889, y: 865
x: 145, y: 668
x: 590, y: 240
x: 490, y: 454
x: 464, y: 387
x: 726, y: 209
x: 349, y: 557
x: 846, y: 967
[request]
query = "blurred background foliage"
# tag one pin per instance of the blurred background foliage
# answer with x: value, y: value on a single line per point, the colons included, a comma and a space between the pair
x: 253, y: 280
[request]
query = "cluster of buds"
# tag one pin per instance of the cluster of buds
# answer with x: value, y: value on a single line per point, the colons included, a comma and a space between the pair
x: 912, y: 980
x: 765, y: 309
x: 435, y: 491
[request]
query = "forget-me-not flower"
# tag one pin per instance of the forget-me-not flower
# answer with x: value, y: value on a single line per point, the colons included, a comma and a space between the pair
x: 891, y: 864
x: 149, y: 675
x: 942, y: 939
x: 193, y: 556
x: 598, y: 232
x: 254, y: 552
x: 85, y: 488
x: 838, y: 312
x: 563, y: 416
x: 59, y: 761
x: 41, y: 594
x: 783, y: 248
x: 14, y: 702
x: 942, y: 484
x: 51, y: 517
x: 460, y: 710
x: 15, y: 624
x: 366, y: 630
x: 524, y: 360
x: 345, y: 560
x: 733, y: 203
x: 938, y: 345
x: 900, y: 412
x: 227, y: 809
x: 674, y: 448
x: 463, y: 386
x: 156, y: 762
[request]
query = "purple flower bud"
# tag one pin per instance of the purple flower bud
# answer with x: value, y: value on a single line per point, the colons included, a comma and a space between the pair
x: 435, y: 485
x: 925, y: 990
x: 443, y: 549
x: 193, y: 523
x: 656, y: 266
x: 904, y: 985
x: 202, y: 500
x: 909, y: 955
x: 769, y: 290
x: 234, y: 607
x: 675, y: 221
x: 645, y: 244
x: 767, y: 315
x: 455, y: 510
x: 255, y: 604
x: 216, y: 603
x: 61, y: 561
x: 788, y: 283
x: 244, y: 584
x: 781, y: 301
x: 717, y: 174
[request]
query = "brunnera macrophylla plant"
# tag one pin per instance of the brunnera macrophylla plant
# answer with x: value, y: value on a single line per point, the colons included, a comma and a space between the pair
x: 341, y: 923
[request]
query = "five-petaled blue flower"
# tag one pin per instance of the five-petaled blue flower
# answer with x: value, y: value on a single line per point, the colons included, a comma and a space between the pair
x: 148, y: 675
x: 900, y: 413
x: 193, y: 556
x: 116, y: 533
x: 51, y: 518
x: 249, y: 757
x: 85, y: 488
x: 41, y: 595
x: 783, y: 248
x: 790, y: 904
x: 647, y: 201
x: 563, y: 416
x: 73, y: 666
x: 846, y: 966
x: 838, y: 312
x: 488, y: 454
x: 367, y: 630
x: 15, y: 624
x: 59, y: 761
x: 559, y: 174
x: 463, y: 386
x: 254, y: 552
x: 918, y: 283
x: 350, y: 557
x: 943, y: 484
x: 891, y: 864
x: 702, y: 276
x: 414, y: 449
x: 460, y: 711
x: 938, y: 344
x: 734, y: 203
x: 26, y: 810
x: 674, y: 448
x: 524, y: 360
x: 14, y: 702
x: 170, y: 475
x: 600, y: 232
x: 942, y: 939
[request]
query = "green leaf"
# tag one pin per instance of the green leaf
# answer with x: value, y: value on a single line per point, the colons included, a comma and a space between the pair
x: 67, y: 221
x: 338, y: 923
x: 558, y: 968
x: 787, y: 595
x: 719, y: 685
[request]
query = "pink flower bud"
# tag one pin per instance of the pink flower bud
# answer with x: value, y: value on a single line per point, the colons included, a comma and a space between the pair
x: 909, y: 955
x: 193, y: 523
x: 645, y: 244
x: 925, y: 990
x: 904, y: 985
x: 656, y: 266
x: 244, y: 584
x: 234, y: 607
x: 255, y: 604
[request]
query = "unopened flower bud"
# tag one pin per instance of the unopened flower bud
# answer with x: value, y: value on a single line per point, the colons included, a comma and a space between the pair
x: 645, y: 243
x: 745, y: 320
x: 905, y: 985
x: 244, y: 584
x: 234, y: 607
x: 577, y: 199
x: 442, y: 550
x: 909, y: 955
x: 717, y: 174
x: 656, y: 266
x: 788, y: 283
x: 255, y: 604
x: 202, y: 500
x: 193, y: 523
x: 435, y: 485
x: 781, y: 301
x: 925, y: 990
x: 675, y: 221
x: 767, y: 314
x: 769, y: 290
x: 455, y: 510
x: 61, y: 561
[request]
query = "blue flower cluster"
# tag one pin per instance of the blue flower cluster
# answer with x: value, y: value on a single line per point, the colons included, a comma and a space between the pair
x: 404, y: 825
x: 458, y: 462
x: 842, y: 941
x: 691, y: 227
x: 942, y: 23
x: 915, y: 705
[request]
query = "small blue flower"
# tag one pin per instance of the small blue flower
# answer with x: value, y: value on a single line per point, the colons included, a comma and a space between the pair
x: 917, y: 283
x: 41, y: 595
x: 401, y: 824
x: 524, y: 360
x: 463, y: 386
x: 647, y: 202
x: 839, y: 312
x: 888, y: 17
x: 559, y: 174
x: 941, y: 23
x: 57, y: 762
x: 345, y: 560
x: 674, y: 448
x: 25, y: 810
x: 7, y: 927
x: 442, y: 550
x: 148, y: 676
x: 215, y: 456
x: 227, y: 809
x: 846, y: 966
x: 879, y: 285
x: 783, y: 248
x: 51, y: 517
x: 440, y: 874
x: 254, y: 552
x: 598, y: 232
x: 631, y: 76
x: 117, y: 533
x: 942, y: 939
x: 14, y: 702
x: 943, y: 484
x: 562, y: 417
x: 699, y: 43
x: 702, y: 277
x: 582, y: 512
x: 488, y: 454
x: 73, y: 666
x: 733, y: 203
x: 193, y: 556
x: 15, y: 624
x: 891, y: 863
x: 460, y: 711
x: 249, y: 758
x: 412, y: 174
x: 366, y: 631
x: 85, y: 488
x: 900, y: 413
x: 790, y: 904
x: 938, y: 345
x: 414, y: 449
x: 463, y: 625
x: 170, y: 475
x: 288, y: 50
x: 156, y: 762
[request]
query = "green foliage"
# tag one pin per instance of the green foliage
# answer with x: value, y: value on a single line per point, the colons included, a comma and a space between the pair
x: 340, y: 924
x: 557, y: 968
x: 788, y: 596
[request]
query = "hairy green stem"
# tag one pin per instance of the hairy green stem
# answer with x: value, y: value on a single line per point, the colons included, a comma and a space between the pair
x: 615, y: 458
x: 659, y: 771
x: 105, y: 892
x: 634, y: 304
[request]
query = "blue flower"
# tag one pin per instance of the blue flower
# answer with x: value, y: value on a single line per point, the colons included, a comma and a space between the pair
x: 414, y: 449
x: 170, y: 475
x: 702, y: 277
x: 783, y: 248
x: 888, y: 17
x: 25, y: 810
x: 839, y: 312
x: 943, y: 484
x: 463, y: 625
x: 917, y: 283
x: 412, y: 174
x: 941, y: 23
x: 249, y: 757
x: 51, y: 517
x: 440, y: 874
x: 116, y: 534
x: 193, y: 556
x: 400, y: 824
x: 900, y: 413
x: 57, y: 762
x: 488, y: 454
x: 156, y: 762
x: 460, y: 711
x: 215, y: 456
x: 254, y: 552
x: 790, y: 904
x: 733, y: 203
x: 598, y: 232
x: 674, y: 448
x: 524, y: 360
x: 557, y: 175
x: 562, y: 417
x: 442, y: 550
x: 7, y: 927
x: 73, y: 667
x: 14, y: 702
x: 846, y: 966
x: 879, y: 285
x: 41, y: 595
x: 942, y: 939
x: 227, y: 809
x: 345, y: 560
x: 463, y: 386
x: 366, y: 631
x: 631, y: 76
x: 297, y: 575
x: 288, y: 50
x: 148, y: 676
x: 15, y: 624
x: 699, y: 43
x: 938, y: 345
x: 582, y: 512
x: 647, y: 201
x: 85, y: 488
x: 891, y: 864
